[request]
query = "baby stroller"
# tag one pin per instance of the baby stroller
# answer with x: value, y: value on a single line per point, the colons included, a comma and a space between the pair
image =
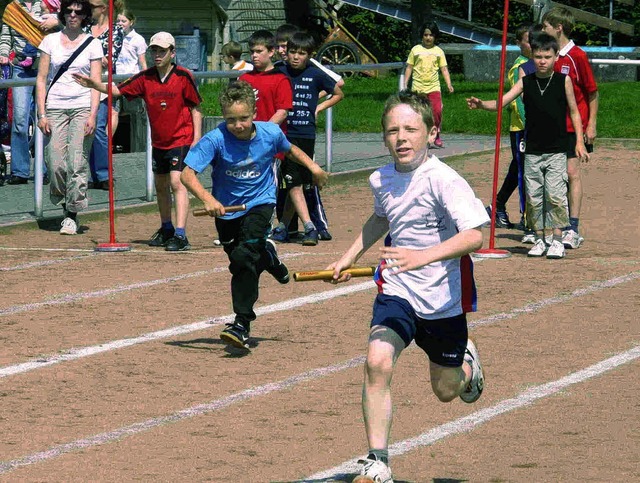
x: 5, y: 124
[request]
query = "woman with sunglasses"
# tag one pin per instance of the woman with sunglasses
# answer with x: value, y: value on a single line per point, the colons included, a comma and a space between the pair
x: 67, y: 111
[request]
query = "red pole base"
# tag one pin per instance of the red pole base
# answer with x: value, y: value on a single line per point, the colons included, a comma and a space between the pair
x: 113, y: 247
x: 491, y: 253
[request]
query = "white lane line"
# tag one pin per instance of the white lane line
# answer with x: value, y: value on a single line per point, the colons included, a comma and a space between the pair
x: 74, y: 297
x: 44, y: 263
x: 464, y: 424
x: 79, y: 353
x: 470, y: 422
x: 25, y: 249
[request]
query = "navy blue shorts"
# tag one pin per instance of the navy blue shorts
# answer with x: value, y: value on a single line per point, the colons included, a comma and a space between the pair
x: 444, y: 340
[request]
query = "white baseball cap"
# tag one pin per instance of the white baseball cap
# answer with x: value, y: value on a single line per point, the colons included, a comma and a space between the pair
x: 163, y: 39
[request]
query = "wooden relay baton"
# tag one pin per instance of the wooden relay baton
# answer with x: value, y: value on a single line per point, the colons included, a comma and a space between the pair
x: 328, y: 274
x: 227, y: 209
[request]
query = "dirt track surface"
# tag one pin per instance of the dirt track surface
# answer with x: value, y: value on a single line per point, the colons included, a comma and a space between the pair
x: 91, y: 390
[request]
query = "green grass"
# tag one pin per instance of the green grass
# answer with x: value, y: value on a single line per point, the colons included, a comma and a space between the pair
x: 361, y: 108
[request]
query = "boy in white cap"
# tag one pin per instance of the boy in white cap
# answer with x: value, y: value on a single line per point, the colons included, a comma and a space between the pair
x: 171, y: 96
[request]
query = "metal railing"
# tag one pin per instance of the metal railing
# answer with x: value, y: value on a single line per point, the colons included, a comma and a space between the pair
x: 399, y: 66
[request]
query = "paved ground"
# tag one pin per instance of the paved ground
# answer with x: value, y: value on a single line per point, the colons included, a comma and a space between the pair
x: 351, y: 151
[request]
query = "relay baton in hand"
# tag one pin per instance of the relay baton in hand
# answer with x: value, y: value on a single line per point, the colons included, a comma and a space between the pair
x: 227, y: 209
x: 328, y: 274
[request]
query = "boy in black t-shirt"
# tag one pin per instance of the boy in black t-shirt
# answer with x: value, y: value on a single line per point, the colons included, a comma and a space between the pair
x: 308, y: 81
x: 547, y: 96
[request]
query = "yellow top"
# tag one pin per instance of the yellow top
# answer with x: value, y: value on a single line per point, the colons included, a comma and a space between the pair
x: 426, y: 64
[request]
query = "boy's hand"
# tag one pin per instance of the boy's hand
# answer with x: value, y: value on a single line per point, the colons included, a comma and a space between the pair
x: 402, y: 259
x: 320, y: 177
x: 213, y: 207
x: 474, y: 103
x: 90, y: 126
x: 581, y: 152
x: 338, y: 267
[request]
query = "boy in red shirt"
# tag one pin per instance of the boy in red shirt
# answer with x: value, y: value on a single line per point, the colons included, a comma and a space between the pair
x: 573, y: 61
x: 171, y: 96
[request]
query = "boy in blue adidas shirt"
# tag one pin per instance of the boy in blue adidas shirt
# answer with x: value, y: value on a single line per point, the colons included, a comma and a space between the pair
x: 308, y: 81
x: 241, y: 154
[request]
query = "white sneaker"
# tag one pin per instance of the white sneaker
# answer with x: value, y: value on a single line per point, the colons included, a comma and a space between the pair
x: 548, y: 239
x: 571, y: 239
x: 373, y: 471
x: 538, y: 249
x: 474, y: 390
x: 69, y: 227
x: 529, y: 238
x: 556, y: 250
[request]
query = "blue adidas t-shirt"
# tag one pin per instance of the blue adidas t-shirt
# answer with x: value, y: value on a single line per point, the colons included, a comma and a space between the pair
x: 242, y: 172
x: 307, y: 84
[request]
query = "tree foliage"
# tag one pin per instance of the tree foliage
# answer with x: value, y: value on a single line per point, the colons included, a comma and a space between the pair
x: 390, y: 39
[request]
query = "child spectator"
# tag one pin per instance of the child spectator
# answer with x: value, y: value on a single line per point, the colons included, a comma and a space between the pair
x: 171, y: 96
x: 311, y: 193
x: 132, y: 58
x: 573, y: 62
x: 425, y: 279
x: 423, y: 64
x: 241, y: 154
x: 308, y: 82
x: 231, y: 52
x: 514, y: 178
x: 548, y: 95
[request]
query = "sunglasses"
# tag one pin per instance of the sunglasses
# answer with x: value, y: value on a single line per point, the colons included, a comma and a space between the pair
x: 69, y: 11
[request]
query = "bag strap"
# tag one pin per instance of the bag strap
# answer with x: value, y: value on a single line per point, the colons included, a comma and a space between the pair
x: 64, y: 67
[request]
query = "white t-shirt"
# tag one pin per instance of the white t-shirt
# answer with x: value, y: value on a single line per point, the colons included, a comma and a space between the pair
x: 67, y: 93
x: 426, y: 207
x: 133, y: 46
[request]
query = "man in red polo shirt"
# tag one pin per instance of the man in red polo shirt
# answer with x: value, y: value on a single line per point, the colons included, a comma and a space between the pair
x: 171, y: 96
x: 573, y: 61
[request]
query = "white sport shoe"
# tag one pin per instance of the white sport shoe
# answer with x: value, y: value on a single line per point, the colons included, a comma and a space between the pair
x: 538, y: 249
x: 571, y: 239
x: 373, y: 471
x: 474, y: 390
x: 548, y: 239
x: 556, y: 250
x: 69, y: 227
x: 529, y: 238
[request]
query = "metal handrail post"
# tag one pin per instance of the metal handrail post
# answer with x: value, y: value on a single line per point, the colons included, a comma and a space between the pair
x: 149, y: 163
x: 401, y: 80
x: 37, y: 172
x: 328, y: 139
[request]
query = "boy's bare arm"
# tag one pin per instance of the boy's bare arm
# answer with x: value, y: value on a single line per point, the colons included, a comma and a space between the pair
x: 86, y: 81
x: 405, y: 259
x: 336, y: 97
x: 373, y: 229
x: 574, y: 114
x: 279, y: 116
x: 515, y: 91
x: 592, y: 130
x: 190, y: 180
x: 196, y: 117
x: 320, y: 177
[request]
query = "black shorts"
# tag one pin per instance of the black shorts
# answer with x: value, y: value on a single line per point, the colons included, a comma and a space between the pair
x: 444, y: 340
x: 294, y: 174
x: 167, y: 160
x: 571, y: 152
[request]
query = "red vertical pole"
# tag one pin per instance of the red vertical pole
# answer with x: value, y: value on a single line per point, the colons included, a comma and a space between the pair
x: 112, y: 246
x: 491, y: 251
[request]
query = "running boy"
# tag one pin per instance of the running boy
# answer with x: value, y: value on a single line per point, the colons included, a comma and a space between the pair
x: 423, y: 64
x: 241, y: 154
x: 308, y: 82
x: 171, y: 96
x: 548, y: 96
x: 425, y: 278
x: 573, y: 62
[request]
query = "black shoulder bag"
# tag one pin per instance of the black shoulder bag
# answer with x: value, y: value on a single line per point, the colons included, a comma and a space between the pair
x: 64, y: 67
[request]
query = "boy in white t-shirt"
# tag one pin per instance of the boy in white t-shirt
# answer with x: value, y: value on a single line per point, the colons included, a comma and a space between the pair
x: 425, y: 278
